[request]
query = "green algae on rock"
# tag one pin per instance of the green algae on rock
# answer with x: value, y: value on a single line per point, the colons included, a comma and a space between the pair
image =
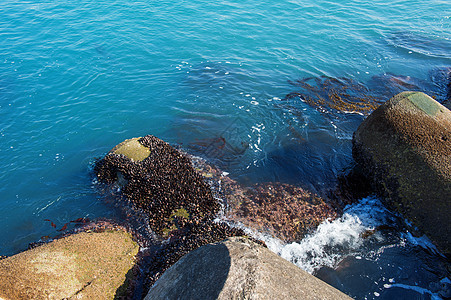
x: 404, y: 147
x: 85, y: 265
x: 132, y: 149
x: 238, y: 268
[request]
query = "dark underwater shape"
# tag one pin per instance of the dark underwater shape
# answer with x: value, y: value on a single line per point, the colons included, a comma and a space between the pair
x: 100, y: 49
x: 345, y: 94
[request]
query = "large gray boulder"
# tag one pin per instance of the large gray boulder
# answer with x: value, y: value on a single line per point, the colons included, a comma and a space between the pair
x: 238, y: 268
x: 404, y: 148
x: 87, y: 265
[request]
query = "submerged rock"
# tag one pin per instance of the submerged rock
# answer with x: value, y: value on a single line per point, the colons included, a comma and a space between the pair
x: 404, y: 147
x: 94, y: 265
x: 285, y: 211
x: 238, y: 268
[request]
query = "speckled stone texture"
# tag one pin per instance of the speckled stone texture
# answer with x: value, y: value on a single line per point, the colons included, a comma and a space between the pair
x: 404, y: 147
x: 87, y: 265
x: 238, y: 268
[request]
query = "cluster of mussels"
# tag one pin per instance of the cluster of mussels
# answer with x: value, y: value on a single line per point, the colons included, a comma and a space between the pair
x: 179, y: 204
x: 164, y: 185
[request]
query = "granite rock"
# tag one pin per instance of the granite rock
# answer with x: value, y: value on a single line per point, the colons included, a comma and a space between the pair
x: 86, y: 265
x: 238, y: 268
x: 404, y: 148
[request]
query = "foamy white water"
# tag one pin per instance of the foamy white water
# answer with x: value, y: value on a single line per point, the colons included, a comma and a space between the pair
x: 368, y: 236
x: 335, y: 239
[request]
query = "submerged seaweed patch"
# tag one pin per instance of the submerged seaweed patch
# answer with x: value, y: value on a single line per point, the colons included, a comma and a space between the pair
x: 345, y: 94
x: 340, y: 94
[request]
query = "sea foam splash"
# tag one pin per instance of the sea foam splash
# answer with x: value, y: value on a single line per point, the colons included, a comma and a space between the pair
x: 335, y: 239
x: 332, y: 240
x: 368, y: 237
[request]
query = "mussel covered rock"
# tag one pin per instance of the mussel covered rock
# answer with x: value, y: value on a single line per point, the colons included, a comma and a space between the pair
x: 160, y: 180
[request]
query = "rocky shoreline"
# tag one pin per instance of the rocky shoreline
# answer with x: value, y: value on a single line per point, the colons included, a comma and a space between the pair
x: 402, y: 149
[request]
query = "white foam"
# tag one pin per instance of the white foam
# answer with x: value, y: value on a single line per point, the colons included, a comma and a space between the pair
x: 422, y: 241
x: 319, y: 249
x: 333, y: 240
x: 414, y: 288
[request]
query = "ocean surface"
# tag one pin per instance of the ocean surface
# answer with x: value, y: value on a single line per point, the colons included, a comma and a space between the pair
x: 78, y: 77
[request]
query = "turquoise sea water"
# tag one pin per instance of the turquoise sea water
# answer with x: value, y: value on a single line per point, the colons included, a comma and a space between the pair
x: 78, y: 77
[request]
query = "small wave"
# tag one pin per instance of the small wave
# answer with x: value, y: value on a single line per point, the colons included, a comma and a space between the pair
x: 431, y: 46
x: 422, y: 241
x: 333, y: 240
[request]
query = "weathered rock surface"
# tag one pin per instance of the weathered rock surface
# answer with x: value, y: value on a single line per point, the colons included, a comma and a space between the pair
x: 238, y: 268
x: 404, y: 147
x: 81, y: 266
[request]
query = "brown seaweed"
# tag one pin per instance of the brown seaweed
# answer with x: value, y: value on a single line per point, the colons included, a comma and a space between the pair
x: 345, y: 94
x: 64, y: 227
x: 51, y: 223
x: 338, y: 94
